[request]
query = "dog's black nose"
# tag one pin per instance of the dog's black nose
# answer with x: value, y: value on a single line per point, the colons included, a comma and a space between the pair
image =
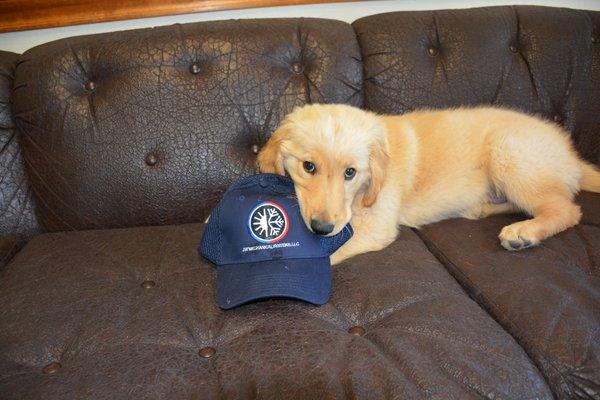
x: 320, y: 227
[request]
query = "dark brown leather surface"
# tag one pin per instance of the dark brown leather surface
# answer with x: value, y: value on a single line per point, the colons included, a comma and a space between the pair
x: 590, y: 208
x: 77, y: 300
x: 537, y: 59
x: 17, y: 217
x: 9, y: 246
x: 148, y: 127
x: 547, y: 297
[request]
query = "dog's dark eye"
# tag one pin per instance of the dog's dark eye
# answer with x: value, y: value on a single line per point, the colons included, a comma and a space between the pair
x: 349, y: 173
x: 309, y: 167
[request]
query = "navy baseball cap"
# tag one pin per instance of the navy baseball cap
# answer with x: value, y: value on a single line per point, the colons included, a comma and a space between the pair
x: 258, y: 240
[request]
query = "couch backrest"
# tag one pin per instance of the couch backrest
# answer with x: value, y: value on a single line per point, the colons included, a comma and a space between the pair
x: 537, y: 59
x: 17, y: 216
x: 148, y: 127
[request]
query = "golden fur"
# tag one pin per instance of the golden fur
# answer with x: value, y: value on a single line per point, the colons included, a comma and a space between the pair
x: 426, y: 166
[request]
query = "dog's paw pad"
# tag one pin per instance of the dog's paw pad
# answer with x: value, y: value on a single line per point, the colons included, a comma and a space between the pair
x: 514, y: 237
x: 526, y: 243
x: 514, y: 245
x: 517, y: 244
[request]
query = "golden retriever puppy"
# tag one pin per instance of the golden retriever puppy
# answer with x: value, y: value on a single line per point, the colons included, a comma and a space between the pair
x: 379, y: 172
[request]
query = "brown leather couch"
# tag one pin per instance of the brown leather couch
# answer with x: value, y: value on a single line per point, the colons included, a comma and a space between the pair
x: 115, y: 147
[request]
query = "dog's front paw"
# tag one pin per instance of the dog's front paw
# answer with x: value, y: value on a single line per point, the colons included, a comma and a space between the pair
x: 336, y: 258
x: 518, y: 236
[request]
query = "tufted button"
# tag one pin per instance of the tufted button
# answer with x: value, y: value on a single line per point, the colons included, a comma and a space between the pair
x: 195, y: 68
x: 432, y: 51
x: 513, y: 48
x: 357, y: 331
x: 51, y: 368
x: 151, y: 159
x: 90, y: 86
x: 557, y: 118
x: 255, y: 148
x: 148, y: 284
x: 207, y: 352
x: 594, y: 40
x: 297, y: 67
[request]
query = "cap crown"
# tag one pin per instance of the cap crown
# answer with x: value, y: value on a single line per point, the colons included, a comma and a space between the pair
x: 259, y: 219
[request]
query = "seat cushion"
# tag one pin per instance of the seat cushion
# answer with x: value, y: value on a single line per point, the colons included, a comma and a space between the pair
x: 131, y: 314
x: 547, y: 297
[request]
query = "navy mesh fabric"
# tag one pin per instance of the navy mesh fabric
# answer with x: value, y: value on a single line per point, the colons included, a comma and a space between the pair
x: 214, y: 240
x: 331, y: 244
x: 292, y: 262
x: 209, y: 245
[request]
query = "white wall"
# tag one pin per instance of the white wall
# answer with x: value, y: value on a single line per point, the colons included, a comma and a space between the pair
x: 21, y: 41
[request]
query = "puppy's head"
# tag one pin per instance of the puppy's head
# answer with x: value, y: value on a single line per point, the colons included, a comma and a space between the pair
x: 336, y: 155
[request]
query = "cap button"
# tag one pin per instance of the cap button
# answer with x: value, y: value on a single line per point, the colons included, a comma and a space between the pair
x: 263, y: 182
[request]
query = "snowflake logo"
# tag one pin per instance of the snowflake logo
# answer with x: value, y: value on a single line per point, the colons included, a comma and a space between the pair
x: 268, y: 222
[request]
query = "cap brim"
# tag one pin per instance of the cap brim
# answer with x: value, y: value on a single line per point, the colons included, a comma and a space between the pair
x: 302, y: 279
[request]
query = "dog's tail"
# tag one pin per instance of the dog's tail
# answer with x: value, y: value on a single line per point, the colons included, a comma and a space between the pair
x: 590, y: 178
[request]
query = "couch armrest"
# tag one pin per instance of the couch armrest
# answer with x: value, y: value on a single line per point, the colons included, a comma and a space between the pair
x: 9, y: 246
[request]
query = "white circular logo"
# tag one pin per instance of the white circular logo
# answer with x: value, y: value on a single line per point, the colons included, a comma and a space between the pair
x: 268, y: 222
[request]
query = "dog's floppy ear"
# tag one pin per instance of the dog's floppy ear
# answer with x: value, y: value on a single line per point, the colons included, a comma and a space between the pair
x: 270, y: 159
x: 378, y: 166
